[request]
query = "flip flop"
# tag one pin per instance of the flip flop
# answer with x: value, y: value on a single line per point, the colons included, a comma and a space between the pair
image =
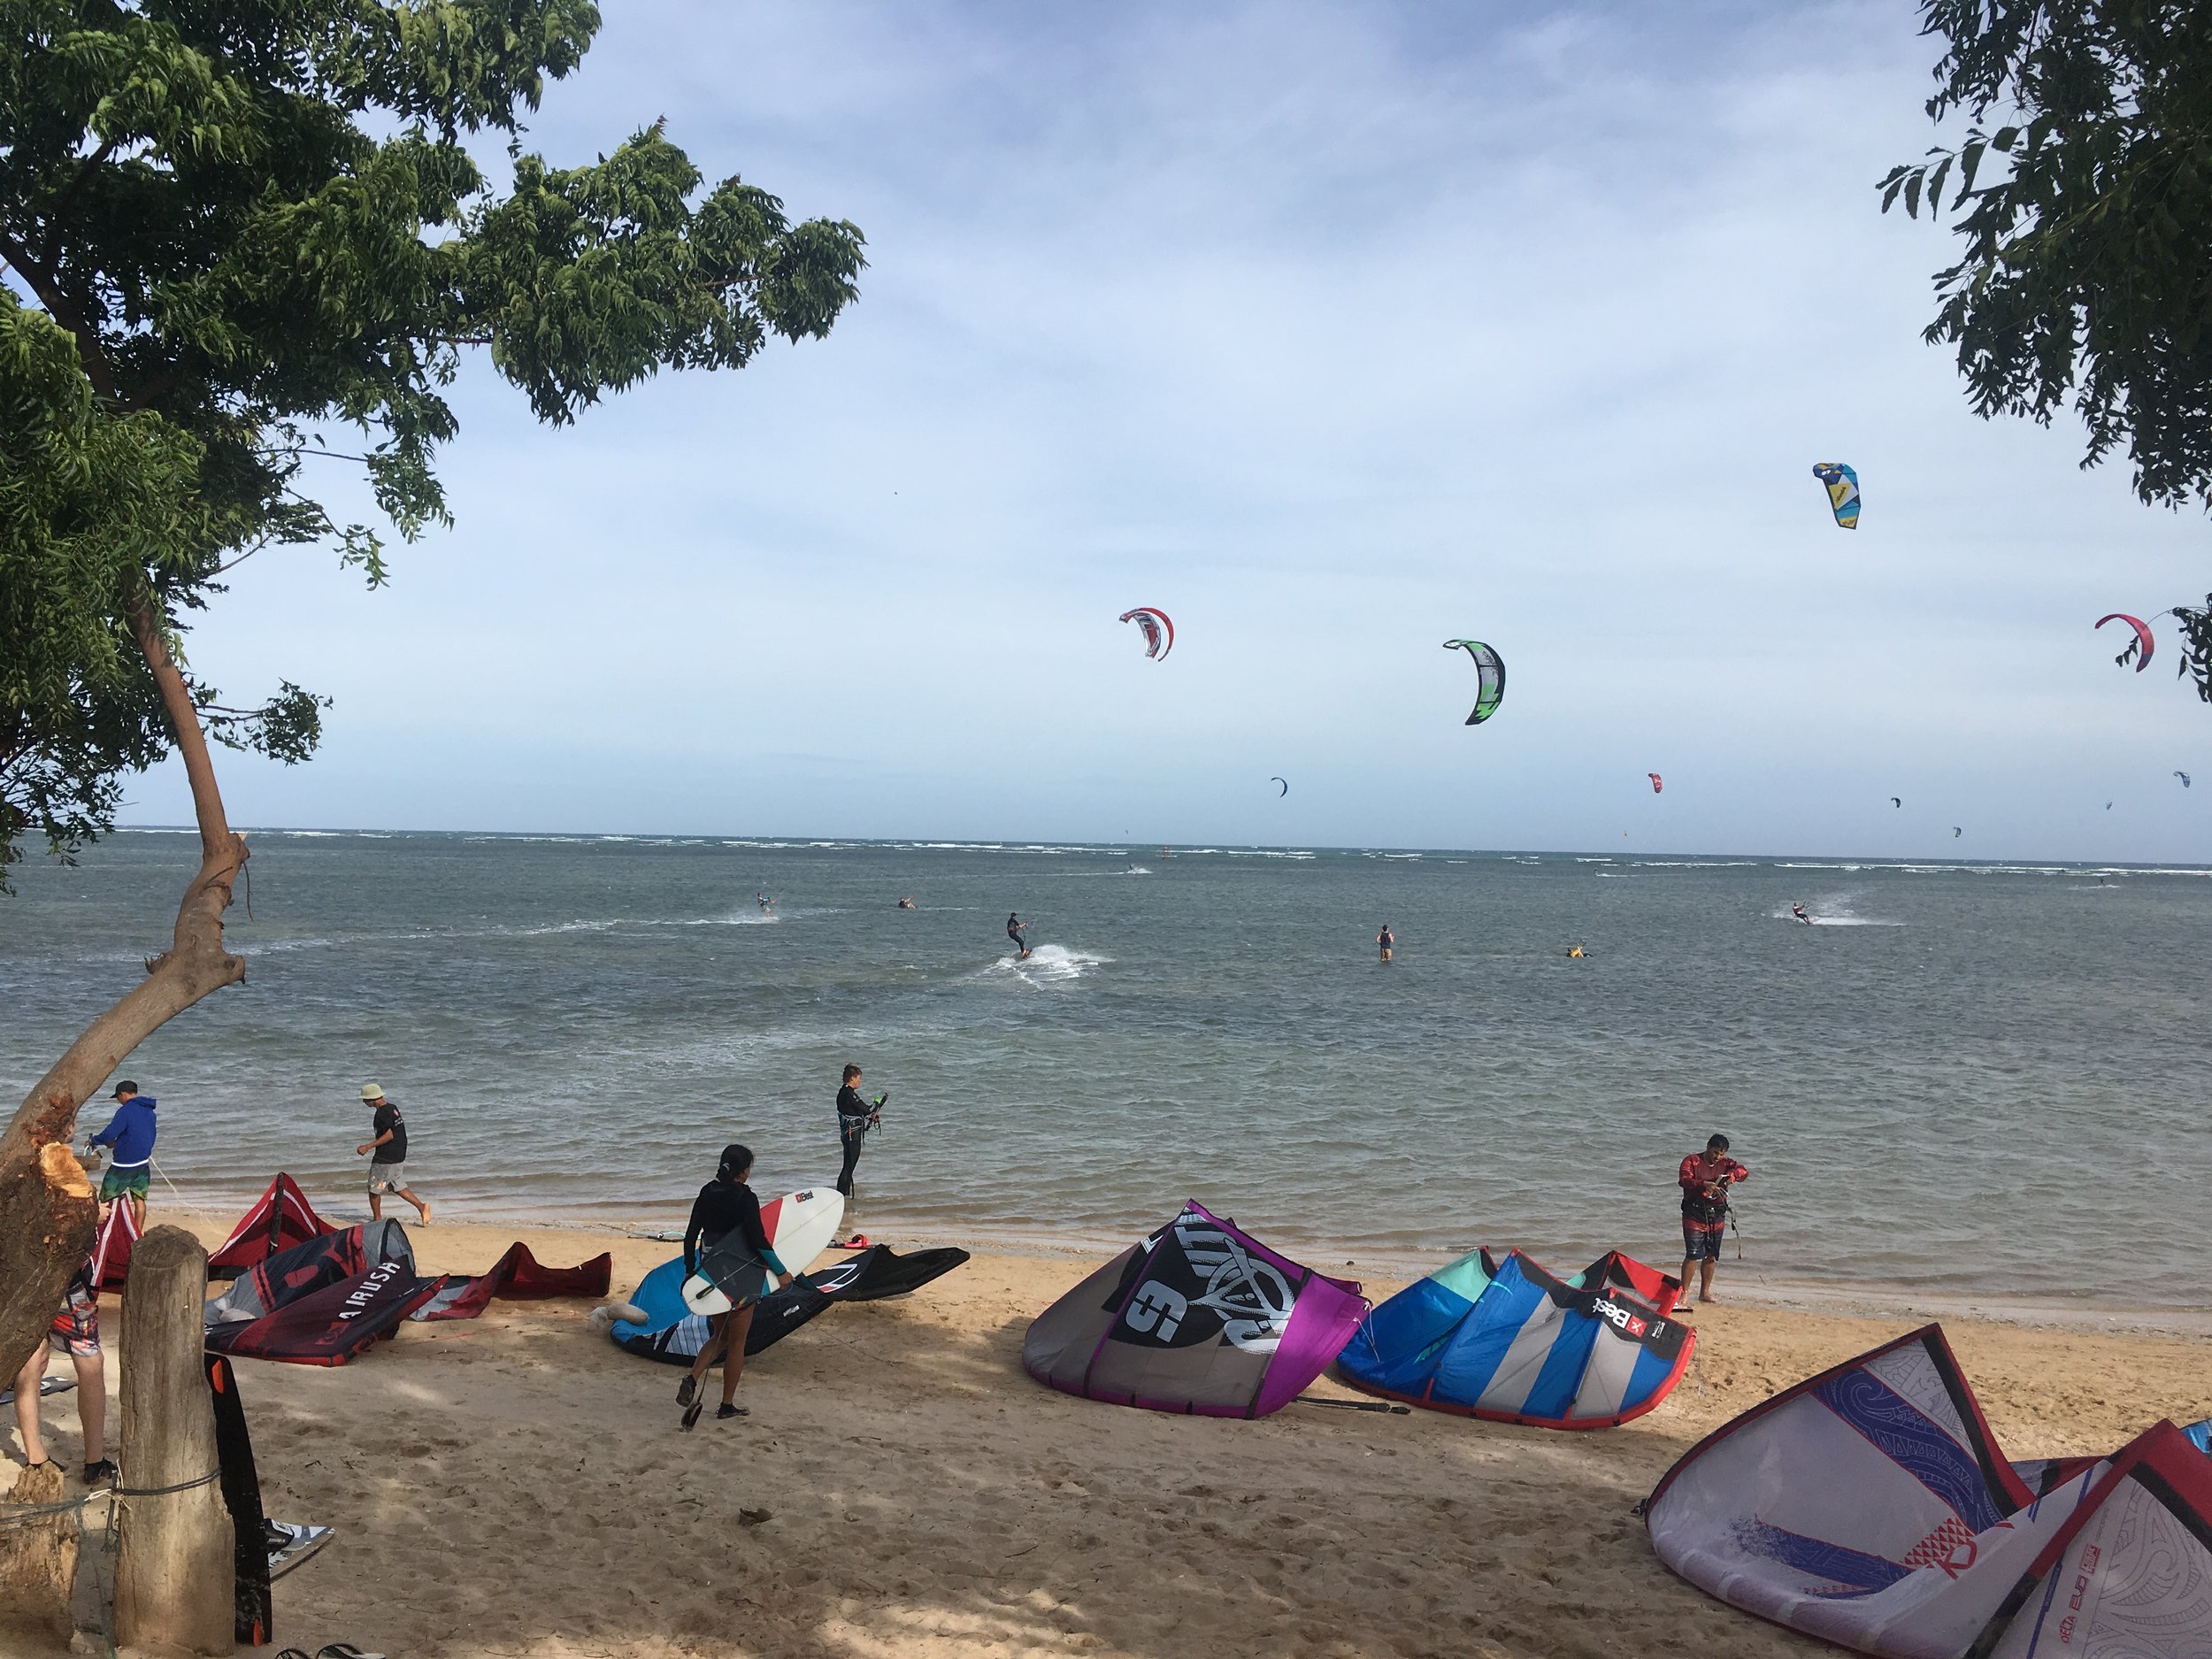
x: 344, y: 1650
x: 686, y: 1389
x: 691, y: 1413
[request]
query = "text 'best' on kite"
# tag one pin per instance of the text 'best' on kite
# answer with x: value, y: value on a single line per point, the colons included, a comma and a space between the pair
x: 1843, y: 491
x: 1158, y: 630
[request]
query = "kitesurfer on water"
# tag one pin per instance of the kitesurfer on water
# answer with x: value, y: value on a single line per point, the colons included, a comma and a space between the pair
x: 1798, y: 910
x: 906, y: 903
x: 1705, y: 1177
x: 726, y: 1205
x: 855, y: 1119
x: 1015, y: 929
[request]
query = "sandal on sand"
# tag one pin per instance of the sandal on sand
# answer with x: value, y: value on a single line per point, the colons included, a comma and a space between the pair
x: 686, y: 1389
x: 103, y: 1470
x: 692, y: 1411
x: 344, y: 1650
x: 727, y: 1412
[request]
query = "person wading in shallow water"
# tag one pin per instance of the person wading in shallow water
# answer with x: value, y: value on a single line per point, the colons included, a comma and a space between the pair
x: 726, y: 1205
x: 1386, y: 941
x: 855, y: 1119
x: 1706, y: 1178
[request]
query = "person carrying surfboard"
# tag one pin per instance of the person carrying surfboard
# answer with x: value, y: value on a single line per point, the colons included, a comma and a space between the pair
x: 854, y: 1117
x: 725, y: 1239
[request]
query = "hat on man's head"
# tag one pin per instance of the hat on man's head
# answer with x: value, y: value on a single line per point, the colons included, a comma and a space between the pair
x: 369, y: 1091
x: 123, y: 1088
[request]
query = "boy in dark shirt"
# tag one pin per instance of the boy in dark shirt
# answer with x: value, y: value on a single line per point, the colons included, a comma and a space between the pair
x: 388, y: 1169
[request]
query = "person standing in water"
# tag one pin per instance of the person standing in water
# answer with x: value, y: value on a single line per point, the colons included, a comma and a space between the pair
x: 1705, y: 1177
x: 855, y: 1119
x: 725, y: 1206
x: 1015, y: 930
x: 1386, y: 940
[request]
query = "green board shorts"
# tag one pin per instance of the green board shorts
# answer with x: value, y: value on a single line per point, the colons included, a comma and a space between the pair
x: 388, y: 1177
x: 131, y: 1182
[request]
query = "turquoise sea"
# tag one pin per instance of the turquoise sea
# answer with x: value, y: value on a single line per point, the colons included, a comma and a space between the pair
x: 1981, y: 1082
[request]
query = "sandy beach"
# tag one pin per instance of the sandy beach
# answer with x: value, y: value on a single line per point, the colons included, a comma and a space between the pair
x: 518, y: 1485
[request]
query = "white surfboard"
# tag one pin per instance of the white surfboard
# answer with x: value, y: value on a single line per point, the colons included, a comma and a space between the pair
x: 799, y: 1225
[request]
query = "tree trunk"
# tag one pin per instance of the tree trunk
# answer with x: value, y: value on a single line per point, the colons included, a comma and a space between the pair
x: 38, y: 1566
x: 176, y: 1552
x: 46, y: 1210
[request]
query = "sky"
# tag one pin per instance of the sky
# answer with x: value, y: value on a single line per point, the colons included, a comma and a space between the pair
x: 1336, y: 332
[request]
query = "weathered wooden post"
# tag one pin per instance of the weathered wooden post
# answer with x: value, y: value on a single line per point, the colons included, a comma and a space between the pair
x: 38, y: 1561
x: 175, y: 1557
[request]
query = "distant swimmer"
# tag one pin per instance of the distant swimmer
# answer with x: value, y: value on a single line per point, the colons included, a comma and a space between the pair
x: 1798, y: 910
x: 1386, y: 940
x: 906, y: 903
x: 1575, y: 952
x: 1015, y: 930
x: 1705, y: 1177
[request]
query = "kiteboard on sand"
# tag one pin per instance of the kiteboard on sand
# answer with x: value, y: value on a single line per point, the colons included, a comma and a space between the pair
x: 799, y: 1225
x: 290, y: 1543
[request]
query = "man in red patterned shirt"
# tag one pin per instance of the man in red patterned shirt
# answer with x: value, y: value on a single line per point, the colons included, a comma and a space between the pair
x: 1705, y: 1176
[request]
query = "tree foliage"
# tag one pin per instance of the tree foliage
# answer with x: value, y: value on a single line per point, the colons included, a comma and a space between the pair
x: 2086, y: 274
x: 229, y: 225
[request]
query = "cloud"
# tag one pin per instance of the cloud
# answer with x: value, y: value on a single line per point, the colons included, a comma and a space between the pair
x: 1336, y: 331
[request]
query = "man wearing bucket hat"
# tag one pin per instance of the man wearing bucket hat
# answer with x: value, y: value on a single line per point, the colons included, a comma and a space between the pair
x: 388, y: 1167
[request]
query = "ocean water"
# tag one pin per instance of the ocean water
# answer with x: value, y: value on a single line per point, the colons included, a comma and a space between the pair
x: 1982, y: 1081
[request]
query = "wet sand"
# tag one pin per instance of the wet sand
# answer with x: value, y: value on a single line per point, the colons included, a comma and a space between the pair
x: 518, y: 1485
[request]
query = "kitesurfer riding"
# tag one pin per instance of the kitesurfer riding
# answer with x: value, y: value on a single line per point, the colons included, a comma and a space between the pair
x: 855, y: 1119
x: 726, y: 1205
x: 1705, y: 1179
x: 1798, y: 910
x: 1015, y: 930
x: 906, y: 903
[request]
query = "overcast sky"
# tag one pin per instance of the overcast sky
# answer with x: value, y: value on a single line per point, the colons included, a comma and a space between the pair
x: 1336, y: 332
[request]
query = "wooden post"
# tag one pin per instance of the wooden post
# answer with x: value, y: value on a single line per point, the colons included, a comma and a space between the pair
x: 38, y: 1561
x: 176, y: 1554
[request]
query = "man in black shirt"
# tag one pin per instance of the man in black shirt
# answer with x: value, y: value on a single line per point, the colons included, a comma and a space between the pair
x: 1017, y: 931
x: 388, y: 1169
x: 854, y: 1117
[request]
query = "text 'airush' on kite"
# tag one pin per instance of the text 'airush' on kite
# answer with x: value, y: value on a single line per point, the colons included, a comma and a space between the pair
x: 1490, y: 685
x: 2143, y: 645
x: 1159, y: 632
x: 1843, y: 491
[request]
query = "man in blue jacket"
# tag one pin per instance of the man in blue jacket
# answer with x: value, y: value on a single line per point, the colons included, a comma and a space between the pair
x: 130, y: 1133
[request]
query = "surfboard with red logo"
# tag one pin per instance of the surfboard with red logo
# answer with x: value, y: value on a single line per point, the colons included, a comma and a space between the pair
x: 799, y: 1225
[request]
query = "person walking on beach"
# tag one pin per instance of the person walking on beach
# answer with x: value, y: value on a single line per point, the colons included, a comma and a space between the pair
x: 1015, y: 928
x: 130, y: 1133
x: 1706, y: 1178
x: 76, y: 1333
x: 387, y: 1155
x: 855, y: 1119
x: 1386, y: 940
x: 726, y: 1205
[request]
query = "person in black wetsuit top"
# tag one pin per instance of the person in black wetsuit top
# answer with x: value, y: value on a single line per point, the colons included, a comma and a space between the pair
x: 1015, y: 929
x: 854, y: 1117
x: 724, y: 1205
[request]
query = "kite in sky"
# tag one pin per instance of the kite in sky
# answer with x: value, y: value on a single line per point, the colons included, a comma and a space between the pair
x: 1285, y: 790
x: 1956, y: 831
x: 1894, y: 800
x: 2185, y: 779
x: 1490, y: 687
x: 1151, y: 620
x: 1657, y: 783
x: 1843, y: 492
x: 2143, y: 640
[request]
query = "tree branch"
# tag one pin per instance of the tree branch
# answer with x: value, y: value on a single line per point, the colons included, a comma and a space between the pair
x: 70, y: 192
x: 57, y: 307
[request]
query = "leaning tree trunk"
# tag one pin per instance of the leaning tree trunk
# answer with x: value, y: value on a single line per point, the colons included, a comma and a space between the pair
x: 46, y: 1208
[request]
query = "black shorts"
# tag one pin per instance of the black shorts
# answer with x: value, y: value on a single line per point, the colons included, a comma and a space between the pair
x: 1700, y: 1240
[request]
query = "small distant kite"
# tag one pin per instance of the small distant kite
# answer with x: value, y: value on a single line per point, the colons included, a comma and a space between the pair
x: 1285, y: 790
x: 1895, y: 801
x: 1490, y: 685
x: 2185, y: 779
x: 1657, y: 784
x: 2144, y: 643
x: 1956, y: 831
x: 1843, y: 492
x: 1151, y: 621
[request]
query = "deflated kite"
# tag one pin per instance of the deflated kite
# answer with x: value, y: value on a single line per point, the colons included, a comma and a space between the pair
x: 1159, y: 632
x: 1490, y: 688
x: 2144, y: 643
x: 1843, y: 492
